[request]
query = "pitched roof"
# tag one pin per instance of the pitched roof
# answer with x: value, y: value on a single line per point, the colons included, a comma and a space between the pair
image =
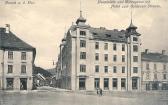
x: 11, y: 41
x: 105, y: 34
x: 154, y: 57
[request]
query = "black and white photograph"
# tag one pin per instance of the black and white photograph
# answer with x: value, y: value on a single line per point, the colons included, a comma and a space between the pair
x: 83, y: 52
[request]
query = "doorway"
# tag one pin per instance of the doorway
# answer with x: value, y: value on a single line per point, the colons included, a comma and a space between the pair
x: 23, y: 83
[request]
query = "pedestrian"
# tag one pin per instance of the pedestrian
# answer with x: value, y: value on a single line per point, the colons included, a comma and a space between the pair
x: 97, y: 91
x: 101, y: 92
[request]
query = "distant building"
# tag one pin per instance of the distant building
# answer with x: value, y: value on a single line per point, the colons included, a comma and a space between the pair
x: 16, y: 62
x: 92, y: 58
x: 154, y: 71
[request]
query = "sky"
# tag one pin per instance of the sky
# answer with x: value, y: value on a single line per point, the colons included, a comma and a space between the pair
x: 44, y: 23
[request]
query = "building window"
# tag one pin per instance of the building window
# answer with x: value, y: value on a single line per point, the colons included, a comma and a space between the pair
x: 135, y: 48
x: 106, y: 69
x: 82, y: 68
x: 135, y: 39
x: 123, y: 47
x: 135, y: 58
x: 97, y: 83
x: 114, y: 58
x: 105, y: 57
x: 83, y: 33
x: 147, y: 66
x: 115, y: 83
x: 114, y: 47
x: 82, y: 55
x: 97, y: 68
x: 9, y: 83
x: 155, y: 67
x: 23, y: 69
x: 97, y: 45
x: 82, y: 43
x: 105, y: 46
x: 97, y: 56
x: 10, y: 55
x: 164, y: 67
x: 164, y: 76
x: 123, y: 58
x: 123, y: 83
x: 10, y: 68
x: 134, y: 83
x: 82, y: 84
x: 114, y: 69
x: 106, y: 83
x: 23, y: 56
x: 123, y: 69
x: 155, y: 76
x: 135, y: 69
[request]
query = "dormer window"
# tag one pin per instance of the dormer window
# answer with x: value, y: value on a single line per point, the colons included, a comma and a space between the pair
x: 135, y: 39
x: 83, y: 33
x: 108, y: 35
x: 94, y: 33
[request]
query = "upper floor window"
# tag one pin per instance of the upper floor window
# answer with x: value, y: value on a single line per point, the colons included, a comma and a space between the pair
x: 23, y: 69
x: 106, y: 69
x: 135, y: 58
x: 164, y: 67
x: 82, y: 43
x: 114, y: 47
x: 97, y: 68
x: 105, y: 46
x: 114, y: 69
x: 155, y: 67
x: 135, y: 69
x: 82, y: 68
x: 135, y: 39
x: 123, y: 69
x: 97, y: 45
x: 123, y: 47
x: 83, y: 33
x: 164, y: 76
x: 82, y: 55
x: 135, y: 48
x: 155, y: 76
x: 123, y: 58
x: 23, y: 56
x: 97, y: 56
x: 10, y: 55
x: 10, y: 68
x: 105, y: 57
x: 147, y: 66
x: 115, y: 58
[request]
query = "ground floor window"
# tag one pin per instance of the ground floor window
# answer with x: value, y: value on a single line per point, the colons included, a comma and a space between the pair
x: 9, y: 83
x: 97, y: 83
x: 115, y: 83
x: 155, y: 86
x: 82, y: 83
x: 123, y: 83
x: 106, y: 83
x: 147, y: 86
x: 23, y: 83
x: 164, y: 86
x: 134, y: 83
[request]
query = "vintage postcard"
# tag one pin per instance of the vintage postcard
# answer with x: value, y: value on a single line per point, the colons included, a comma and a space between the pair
x: 83, y: 52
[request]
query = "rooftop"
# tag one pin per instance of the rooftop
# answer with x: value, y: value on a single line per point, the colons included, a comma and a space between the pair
x: 154, y: 57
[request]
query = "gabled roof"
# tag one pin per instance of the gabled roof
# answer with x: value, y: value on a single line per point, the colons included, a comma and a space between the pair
x: 154, y: 57
x: 105, y: 34
x: 11, y: 41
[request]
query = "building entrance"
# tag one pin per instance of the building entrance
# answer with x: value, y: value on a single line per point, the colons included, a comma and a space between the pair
x: 23, y: 83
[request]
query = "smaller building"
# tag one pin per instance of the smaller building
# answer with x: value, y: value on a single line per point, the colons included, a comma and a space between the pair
x: 154, y: 71
x: 16, y: 62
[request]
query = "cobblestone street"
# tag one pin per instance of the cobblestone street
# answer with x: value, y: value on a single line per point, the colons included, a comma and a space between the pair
x: 46, y: 97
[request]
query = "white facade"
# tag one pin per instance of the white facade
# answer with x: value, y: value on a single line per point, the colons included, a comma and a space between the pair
x: 79, y: 73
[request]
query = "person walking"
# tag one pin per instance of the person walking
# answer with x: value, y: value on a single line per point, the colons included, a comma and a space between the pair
x: 101, y: 92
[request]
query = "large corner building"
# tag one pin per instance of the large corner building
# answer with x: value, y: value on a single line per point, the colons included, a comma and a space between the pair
x: 16, y: 62
x: 92, y: 58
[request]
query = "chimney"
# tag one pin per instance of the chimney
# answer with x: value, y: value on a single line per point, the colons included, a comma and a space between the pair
x: 163, y: 52
x: 146, y: 51
x: 7, y: 28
